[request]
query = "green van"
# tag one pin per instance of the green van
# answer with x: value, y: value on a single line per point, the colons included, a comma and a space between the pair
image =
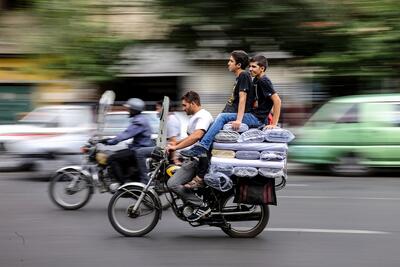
x: 351, y: 135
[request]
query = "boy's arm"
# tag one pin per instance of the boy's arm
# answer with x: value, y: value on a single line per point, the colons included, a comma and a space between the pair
x: 276, y: 110
x: 241, y: 108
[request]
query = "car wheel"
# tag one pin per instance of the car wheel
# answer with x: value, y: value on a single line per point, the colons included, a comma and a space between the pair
x: 349, y: 165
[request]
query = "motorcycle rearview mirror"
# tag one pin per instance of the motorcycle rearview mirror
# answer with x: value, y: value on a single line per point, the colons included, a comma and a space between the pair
x: 107, y: 98
x: 162, y: 130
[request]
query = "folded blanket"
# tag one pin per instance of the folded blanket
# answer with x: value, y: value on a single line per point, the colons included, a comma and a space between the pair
x: 242, y: 128
x: 245, y: 171
x: 247, y: 154
x: 224, y: 136
x: 223, y: 153
x: 225, y: 169
x: 272, y: 155
x: 251, y: 136
x: 271, y: 172
x: 278, y: 135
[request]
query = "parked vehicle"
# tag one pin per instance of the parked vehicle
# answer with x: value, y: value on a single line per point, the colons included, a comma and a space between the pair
x: 351, y: 135
x: 135, y: 209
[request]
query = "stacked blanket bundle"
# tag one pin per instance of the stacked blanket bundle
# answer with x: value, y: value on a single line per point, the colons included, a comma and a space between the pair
x: 251, y: 153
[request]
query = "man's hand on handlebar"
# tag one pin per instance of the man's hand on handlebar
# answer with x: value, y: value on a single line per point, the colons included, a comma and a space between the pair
x: 170, y: 148
x: 104, y: 141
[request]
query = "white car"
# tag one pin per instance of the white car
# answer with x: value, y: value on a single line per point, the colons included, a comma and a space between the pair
x: 117, y: 121
x: 47, y: 133
x: 50, y: 137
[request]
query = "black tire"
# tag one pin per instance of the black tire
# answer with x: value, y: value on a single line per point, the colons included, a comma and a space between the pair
x: 123, y: 221
x: 84, y: 188
x: 252, y: 231
x: 350, y: 166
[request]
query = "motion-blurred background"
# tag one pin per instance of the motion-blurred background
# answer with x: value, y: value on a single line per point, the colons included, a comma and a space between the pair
x: 63, y: 52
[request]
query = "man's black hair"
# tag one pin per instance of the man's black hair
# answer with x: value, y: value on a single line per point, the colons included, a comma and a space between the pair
x: 191, y: 97
x: 261, y: 61
x: 241, y: 58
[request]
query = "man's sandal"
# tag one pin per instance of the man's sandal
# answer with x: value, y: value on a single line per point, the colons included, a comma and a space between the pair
x: 196, y: 182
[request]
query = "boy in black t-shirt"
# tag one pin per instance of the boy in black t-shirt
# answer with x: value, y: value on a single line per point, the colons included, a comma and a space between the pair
x: 265, y: 95
x: 237, y: 109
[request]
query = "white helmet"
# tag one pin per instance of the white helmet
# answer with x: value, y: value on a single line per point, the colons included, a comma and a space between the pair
x: 135, y: 104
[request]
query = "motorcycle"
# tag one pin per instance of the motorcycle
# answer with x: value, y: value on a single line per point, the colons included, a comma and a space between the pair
x: 135, y: 209
x: 72, y: 187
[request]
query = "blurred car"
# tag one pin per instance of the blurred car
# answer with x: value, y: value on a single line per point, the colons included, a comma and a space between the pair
x: 47, y: 133
x: 50, y: 137
x: 351, y: 135
x: 117, y: 121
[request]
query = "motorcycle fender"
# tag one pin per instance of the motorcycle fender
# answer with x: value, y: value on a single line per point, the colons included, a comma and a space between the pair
x: 75, y: 168
x: 150, y: 190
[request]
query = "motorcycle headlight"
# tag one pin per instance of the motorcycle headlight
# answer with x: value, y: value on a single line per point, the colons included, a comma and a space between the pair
x: 101, y: 158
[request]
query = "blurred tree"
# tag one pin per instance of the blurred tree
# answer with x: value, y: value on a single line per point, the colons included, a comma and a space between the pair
x: 354, y: 43
x: 75, y: 34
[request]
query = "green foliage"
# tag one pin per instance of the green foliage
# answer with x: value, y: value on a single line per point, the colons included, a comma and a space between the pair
x: 354, y: 38
x: 78, y: 39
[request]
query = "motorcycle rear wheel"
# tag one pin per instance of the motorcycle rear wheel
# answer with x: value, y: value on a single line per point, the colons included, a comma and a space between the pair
x: 245, y: 228
x: 69, y: 197
x: 130, y: 224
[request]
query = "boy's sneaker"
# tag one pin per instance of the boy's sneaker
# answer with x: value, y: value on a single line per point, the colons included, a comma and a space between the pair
x: 195, y: 151
x: 199, y: 213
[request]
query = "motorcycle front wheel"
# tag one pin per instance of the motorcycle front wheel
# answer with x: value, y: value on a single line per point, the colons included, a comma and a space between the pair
x: 133, y: 223
x: 245, y: 221
x: 70, y: 190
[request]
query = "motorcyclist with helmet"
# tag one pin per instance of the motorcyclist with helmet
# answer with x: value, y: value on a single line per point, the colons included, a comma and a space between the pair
x: 138, y: 129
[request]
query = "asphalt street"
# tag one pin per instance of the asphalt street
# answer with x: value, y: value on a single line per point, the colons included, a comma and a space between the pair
x: 319, y: 221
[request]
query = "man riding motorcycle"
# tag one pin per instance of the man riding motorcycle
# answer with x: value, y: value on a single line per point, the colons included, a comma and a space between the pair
x: 139, y: 129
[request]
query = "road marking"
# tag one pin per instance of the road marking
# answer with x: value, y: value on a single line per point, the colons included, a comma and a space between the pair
x: 340, y: 197
x: 314, y: 230
x: 297, y: 185
x: 330, y: 231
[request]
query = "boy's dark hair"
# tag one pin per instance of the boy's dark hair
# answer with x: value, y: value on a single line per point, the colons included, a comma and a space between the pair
x: 191, y: 97
x: 241, y: 58
x: 261, y: 61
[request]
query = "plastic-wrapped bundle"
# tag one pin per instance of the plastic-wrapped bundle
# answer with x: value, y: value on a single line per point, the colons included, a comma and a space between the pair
x: 278, y: 135
x: 271, y: 172
x: 218, y: 181
x: 272, y: 155
x: 223, y: 153
x: 245, y: 171
x: 251, y: 136
x: 227, y: 136
x: 251, y: 146
x: 225, y: 169
x: 242, y: 128
x: 247, y: 155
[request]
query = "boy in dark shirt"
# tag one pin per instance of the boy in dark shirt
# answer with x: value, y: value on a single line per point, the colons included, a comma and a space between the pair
x: 237, y: 109
x: 265, y: 95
